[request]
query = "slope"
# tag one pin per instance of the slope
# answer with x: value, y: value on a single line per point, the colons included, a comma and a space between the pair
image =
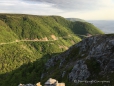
x: 92, y: 59
x: 28, y: 38
x: 6, y: 34
x: 85, y: 28
x: 31, y: 27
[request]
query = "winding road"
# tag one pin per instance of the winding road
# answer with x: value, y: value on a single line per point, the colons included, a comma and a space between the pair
x: 37, y: 40
x: 26, y: 41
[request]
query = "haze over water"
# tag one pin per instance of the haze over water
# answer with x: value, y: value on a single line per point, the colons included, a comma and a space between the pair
x: 106, y: 26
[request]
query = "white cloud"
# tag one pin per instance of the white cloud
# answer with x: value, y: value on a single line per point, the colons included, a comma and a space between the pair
x: 18, y: 6
x: 70, y: 5
x: 105, y: 11
x: 85, y: 9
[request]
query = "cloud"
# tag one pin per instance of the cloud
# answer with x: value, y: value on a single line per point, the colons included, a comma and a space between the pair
x: 71, y: 5
x: 103, y: 9
x: 19, y: 6
x: 85, y: 9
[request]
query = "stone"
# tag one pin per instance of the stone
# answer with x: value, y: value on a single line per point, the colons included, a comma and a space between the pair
x: 38, y: 84
x: 79, y: 71
x: 53, y: 82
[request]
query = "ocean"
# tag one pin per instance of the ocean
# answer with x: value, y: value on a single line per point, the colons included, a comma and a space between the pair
x: 106, y: 26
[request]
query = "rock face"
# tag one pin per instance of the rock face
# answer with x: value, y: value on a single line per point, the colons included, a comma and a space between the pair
x: 79, y: 71
x: 92, y: 57
x: 110, y: 66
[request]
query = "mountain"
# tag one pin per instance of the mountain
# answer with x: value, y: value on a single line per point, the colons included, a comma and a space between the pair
x: 105, y: 25
x: 75, y: 19
x: 27, y: 42
x: 80, y: 27
x: 85, y: 28
x: 92, y: 59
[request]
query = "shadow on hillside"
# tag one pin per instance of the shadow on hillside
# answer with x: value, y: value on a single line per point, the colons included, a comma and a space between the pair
x: 26, y: 73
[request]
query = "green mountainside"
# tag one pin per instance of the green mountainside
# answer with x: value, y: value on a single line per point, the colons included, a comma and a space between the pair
x: 27, y: 42
x: 6, y: 34
x: 82, y: 27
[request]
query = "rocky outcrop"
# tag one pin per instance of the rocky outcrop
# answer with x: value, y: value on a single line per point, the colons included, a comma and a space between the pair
x: 92, y: 55
x: 53, y: 82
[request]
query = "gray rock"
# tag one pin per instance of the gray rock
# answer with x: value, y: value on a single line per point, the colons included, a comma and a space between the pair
x: 79, y: 71
x: 110, y: 66
x: 63, y: 74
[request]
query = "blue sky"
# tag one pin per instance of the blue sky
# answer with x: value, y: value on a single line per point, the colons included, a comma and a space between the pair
x: 84, y: 9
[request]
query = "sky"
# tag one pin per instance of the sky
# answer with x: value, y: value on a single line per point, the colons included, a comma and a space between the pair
x: 83, y: 9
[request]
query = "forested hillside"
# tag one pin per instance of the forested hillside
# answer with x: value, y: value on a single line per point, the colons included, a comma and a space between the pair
x: 27, y: 42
